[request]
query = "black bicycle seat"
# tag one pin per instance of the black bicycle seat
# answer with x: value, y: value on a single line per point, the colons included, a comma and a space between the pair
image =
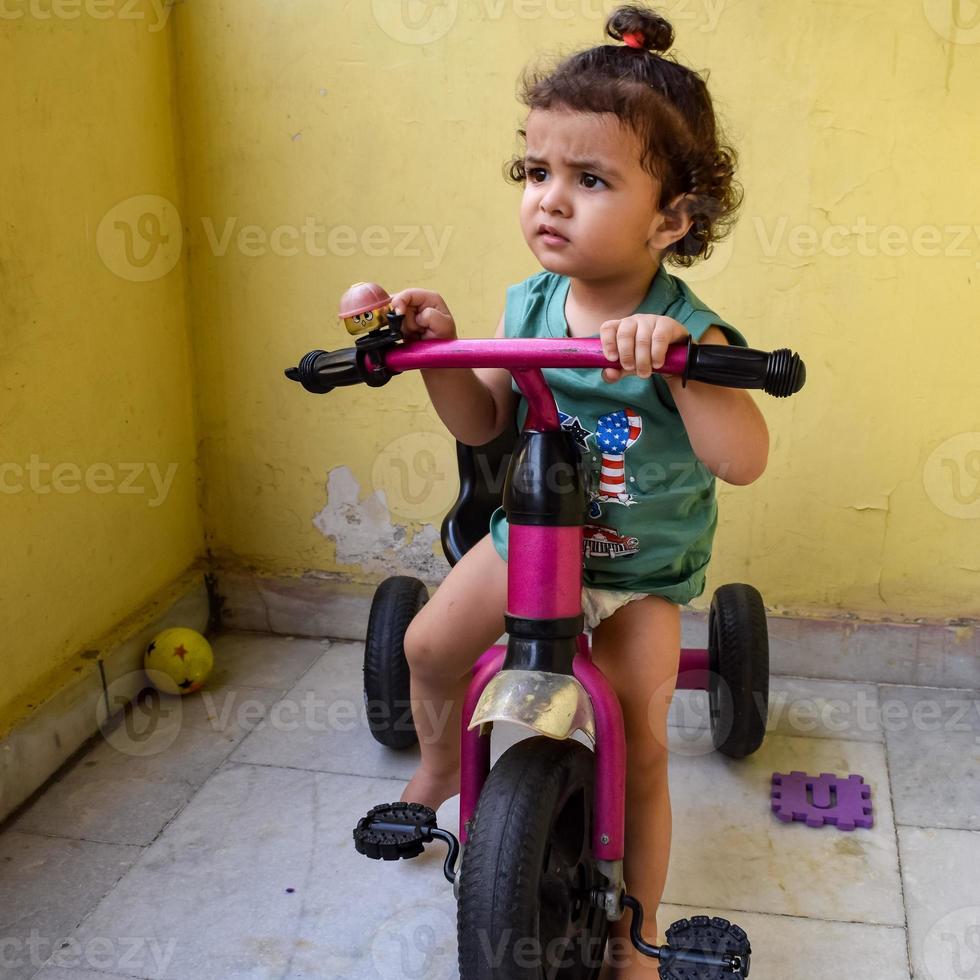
x: 482, y: 471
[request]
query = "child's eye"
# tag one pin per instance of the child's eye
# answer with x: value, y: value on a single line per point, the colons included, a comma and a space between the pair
x: 538, y: 174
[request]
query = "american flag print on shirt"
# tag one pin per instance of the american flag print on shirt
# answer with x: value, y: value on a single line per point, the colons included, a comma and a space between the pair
x: 615, y: 433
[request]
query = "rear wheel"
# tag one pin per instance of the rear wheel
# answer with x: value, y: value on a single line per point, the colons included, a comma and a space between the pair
x: 387, y: 691
x: 738, y: 653
x: 525, y: 910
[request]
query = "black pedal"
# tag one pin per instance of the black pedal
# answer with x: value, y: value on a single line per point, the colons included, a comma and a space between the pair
x: 395, y: 830
x: 708, y: 935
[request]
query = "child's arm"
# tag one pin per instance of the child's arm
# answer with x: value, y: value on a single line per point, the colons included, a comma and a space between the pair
x: 505, y: 399
x: 475, y: 405
x: 725, y: 427
x: 727, y: 431
x: 460, y: 398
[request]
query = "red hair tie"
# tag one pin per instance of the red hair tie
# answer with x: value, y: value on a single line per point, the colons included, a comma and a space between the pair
x: 634, y: 40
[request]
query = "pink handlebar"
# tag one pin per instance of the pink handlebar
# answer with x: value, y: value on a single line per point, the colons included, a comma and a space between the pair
x: 516, y: 354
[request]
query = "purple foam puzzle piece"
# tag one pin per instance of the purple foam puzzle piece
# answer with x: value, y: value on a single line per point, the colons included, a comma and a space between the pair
x: 797, y: 796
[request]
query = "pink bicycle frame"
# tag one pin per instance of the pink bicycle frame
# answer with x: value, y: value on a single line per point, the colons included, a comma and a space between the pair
x: 544, y: 576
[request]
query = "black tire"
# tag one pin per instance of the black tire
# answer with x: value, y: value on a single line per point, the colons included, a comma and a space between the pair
x: 534, y: 814
x: 387, y: 692
x: 738, y: 651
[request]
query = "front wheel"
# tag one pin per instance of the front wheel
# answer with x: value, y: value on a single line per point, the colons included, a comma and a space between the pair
x: 525, y: 910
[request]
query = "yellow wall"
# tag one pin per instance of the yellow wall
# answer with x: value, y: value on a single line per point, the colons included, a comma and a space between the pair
x: 360, y: 145
x: 331, y: 112
x: 95, y: 369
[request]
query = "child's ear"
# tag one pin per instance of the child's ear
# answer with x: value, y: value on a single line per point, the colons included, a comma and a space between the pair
x: 671, y: 224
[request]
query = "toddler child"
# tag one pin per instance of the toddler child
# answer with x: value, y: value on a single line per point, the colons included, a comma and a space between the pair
x: 623, y: 171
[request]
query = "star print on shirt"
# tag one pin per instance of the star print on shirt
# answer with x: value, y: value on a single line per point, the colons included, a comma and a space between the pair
x: 571, y: 424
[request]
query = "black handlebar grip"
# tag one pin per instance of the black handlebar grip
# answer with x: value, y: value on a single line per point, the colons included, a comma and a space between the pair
x: 321, y: 371
x: 306, y: 372
x: 780, y: 372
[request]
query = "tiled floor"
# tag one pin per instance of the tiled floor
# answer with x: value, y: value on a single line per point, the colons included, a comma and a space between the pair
x: 197, y: 841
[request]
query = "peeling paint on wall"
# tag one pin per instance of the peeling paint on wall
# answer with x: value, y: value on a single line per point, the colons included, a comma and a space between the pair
x: 364, y: 535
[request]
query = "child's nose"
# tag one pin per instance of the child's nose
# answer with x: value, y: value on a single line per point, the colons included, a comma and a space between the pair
x: 555, y: 198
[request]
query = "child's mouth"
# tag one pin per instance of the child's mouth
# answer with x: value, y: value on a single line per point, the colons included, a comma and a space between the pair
x: 551, y: 237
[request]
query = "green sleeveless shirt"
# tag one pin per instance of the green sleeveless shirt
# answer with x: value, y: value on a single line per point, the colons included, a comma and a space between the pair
x: 652, y: 508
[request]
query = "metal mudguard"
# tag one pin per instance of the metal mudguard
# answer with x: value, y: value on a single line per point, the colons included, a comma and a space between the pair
x: 550, y: 704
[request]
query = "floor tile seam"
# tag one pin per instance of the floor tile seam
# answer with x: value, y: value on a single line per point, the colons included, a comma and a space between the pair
x: 197, y: 789
x: 194, y: 789
x: 869, y: 682
x: 236, y: 631
x: 278, y: 692
x: 898, y: 858
x: 889, y: 733
x: 929, y: 826
x: 931, y: 687
x: 243, y: 687
x: 80, y: 840
x: 278, y: 687
x: 829, y: 737
x: 88, y: 969
x: 316, y: 660
x: 828, y: 680
x: 91, y: 969
x: 91, y: 911
x: 788, y: 915
x: 327, y: 772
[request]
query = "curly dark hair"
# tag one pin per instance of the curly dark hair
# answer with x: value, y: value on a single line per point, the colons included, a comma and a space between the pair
x: 666, y: 104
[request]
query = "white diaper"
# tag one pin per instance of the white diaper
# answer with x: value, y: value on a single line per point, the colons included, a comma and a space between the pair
x: 600, y: 604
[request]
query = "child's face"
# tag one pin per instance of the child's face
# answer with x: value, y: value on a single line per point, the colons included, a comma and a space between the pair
x: 607, y: 209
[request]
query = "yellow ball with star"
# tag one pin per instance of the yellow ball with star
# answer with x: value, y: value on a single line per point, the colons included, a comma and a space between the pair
x: 178, y: 660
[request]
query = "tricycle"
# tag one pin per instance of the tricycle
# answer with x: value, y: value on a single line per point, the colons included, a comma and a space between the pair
x: 537, y: 869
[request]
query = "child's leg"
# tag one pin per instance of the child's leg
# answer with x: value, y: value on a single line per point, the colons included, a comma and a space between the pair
x: 463, y: 618
x: 638, y: 650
